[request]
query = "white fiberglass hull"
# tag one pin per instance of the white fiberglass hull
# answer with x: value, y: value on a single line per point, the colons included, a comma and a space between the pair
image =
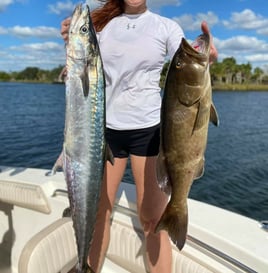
x: 35, y: 238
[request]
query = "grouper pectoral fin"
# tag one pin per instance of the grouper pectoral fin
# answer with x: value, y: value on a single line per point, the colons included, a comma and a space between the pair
x: 161, y: 174
x: 200, y: 119
x: 214, y: 118
x: 201, y: 116
x: 200, y: 169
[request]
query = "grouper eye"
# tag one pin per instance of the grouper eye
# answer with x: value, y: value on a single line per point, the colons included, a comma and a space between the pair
x: 84, y: 29
x: 178, y: 65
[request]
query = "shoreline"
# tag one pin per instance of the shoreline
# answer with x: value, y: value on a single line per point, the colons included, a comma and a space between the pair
x: 215, y: 87
x: 240, y: 87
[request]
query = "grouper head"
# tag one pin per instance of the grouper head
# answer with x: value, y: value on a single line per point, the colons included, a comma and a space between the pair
x: 189, y: 68
x: 82, y: 39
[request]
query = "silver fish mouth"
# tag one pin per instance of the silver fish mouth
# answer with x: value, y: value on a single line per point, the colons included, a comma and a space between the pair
x: 81, y: 12
x: 82, y: 42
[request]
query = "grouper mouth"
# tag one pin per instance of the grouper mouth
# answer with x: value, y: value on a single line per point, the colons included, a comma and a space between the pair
x: 199, y: 48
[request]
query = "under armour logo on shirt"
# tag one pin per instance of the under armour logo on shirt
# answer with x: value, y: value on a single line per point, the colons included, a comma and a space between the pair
x: 129, y: 26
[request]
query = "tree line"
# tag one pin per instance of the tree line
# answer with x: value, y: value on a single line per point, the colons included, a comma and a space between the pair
x: 225, y: 72
x: 229, y: 72
x: 34, y: 74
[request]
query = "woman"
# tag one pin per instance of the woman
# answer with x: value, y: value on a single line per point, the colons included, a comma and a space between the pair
x: 134, y: 43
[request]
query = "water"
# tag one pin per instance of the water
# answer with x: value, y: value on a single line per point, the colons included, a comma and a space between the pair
x: 236, y: 174
x: 32, y: 122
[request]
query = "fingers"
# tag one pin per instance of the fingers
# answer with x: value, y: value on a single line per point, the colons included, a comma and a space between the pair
x: 65, y: 25
x: 213, y: 50
x: 205, y: 28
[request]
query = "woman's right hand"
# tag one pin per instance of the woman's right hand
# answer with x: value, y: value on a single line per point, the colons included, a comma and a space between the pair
x: 65, y: 25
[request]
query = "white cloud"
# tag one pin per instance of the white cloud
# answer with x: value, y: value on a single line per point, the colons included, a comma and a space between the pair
x: 244, y: 49
x: 242, y: 43
x: 263, y: 31
x: 4, y: 4
x: 62, y: 7
x: 3, y: 30
x: 34, y: 47
x: 246, y: 19
x: 46, y: 55
x: 68, y: 6
x: 257, y: 58
x: 190, y: 22
x: 93, y: 3
x: 37, y: 32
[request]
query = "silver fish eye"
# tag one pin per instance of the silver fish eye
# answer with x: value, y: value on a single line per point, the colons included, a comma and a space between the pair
x: 84, y: 29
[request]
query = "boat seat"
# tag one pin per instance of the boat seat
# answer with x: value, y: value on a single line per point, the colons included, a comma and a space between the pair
x: 52, y: 250
x: 24, y: 195
x: 129, y: 253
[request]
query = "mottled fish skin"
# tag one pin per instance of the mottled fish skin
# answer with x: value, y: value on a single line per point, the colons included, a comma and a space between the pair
x: 186, y: 111
x: 84, y: 148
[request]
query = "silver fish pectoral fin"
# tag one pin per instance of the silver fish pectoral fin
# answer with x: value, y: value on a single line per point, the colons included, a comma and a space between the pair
x: 85, y: 82
x: 109, y: 155
x: 57, y: 165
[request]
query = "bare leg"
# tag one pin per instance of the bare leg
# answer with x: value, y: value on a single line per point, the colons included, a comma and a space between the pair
x: 151, y: 202
x: 112, y: 178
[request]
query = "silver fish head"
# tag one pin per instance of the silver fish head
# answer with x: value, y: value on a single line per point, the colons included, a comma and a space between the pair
x: 82, y: 40
x: 189, y: 69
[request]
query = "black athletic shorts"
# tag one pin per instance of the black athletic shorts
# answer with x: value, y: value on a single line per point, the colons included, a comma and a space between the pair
x: 140, y: 142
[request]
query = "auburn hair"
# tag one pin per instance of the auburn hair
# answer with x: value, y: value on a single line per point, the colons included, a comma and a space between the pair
x: 103, y: 15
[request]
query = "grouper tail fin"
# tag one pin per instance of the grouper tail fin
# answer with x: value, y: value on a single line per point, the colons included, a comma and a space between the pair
x: 175, y: 222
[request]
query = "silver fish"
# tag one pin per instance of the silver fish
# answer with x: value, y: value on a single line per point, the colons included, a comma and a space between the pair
x: 84, y: 148
x: 186, y: 111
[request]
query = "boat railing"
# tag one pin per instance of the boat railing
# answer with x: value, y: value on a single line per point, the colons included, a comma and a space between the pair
x: 200, y: 244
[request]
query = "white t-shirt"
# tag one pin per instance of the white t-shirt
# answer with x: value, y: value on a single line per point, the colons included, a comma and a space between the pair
x: 134, y: 49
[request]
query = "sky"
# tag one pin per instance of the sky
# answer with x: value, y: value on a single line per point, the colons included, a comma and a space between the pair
x: 30, y: 29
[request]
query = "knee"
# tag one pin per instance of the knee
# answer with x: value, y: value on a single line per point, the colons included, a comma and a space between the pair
x: 149, y: 218
x: 148, y: 224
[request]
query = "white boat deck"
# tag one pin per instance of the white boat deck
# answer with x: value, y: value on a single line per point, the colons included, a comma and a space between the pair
x: 35, y: 238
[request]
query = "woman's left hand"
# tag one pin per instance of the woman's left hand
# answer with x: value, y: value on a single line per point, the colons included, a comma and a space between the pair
x: 213, y: 51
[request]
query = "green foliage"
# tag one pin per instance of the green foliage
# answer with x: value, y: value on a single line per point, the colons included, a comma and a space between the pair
x: 229, y: 72
x: 4, y: 76
x: 33, y: 74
